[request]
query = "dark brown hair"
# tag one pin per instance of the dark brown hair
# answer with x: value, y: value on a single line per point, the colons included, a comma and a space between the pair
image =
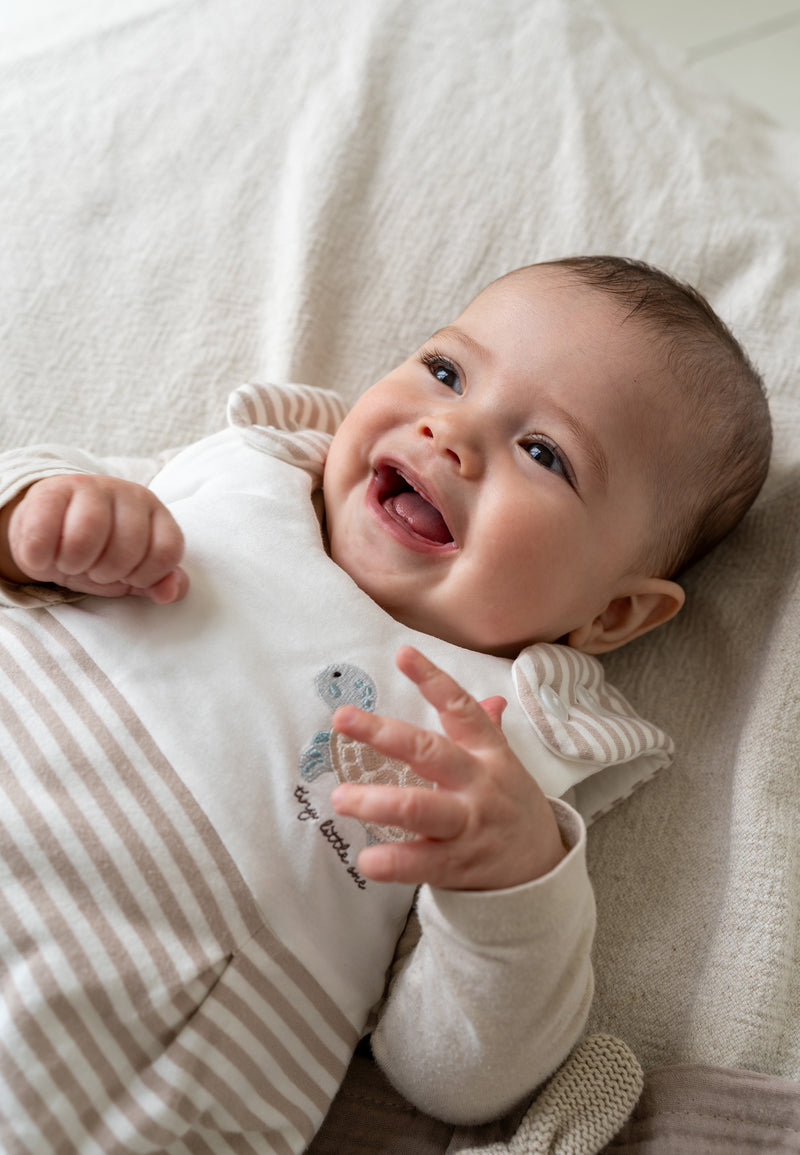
x: 702, y: 494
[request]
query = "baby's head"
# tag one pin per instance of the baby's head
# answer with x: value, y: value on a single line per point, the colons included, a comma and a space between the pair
x: 543, y: 468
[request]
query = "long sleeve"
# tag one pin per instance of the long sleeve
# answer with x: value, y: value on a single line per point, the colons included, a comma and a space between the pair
x: 293, y: 421
x: 495, y: 993
x: 20, y: 468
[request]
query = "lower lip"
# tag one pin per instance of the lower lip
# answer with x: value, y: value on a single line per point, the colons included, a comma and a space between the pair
x: 398, y: 528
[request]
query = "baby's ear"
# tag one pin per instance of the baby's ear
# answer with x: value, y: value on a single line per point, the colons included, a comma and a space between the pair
x: 652, y: 602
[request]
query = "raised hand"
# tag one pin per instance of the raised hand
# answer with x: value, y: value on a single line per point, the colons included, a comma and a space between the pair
x: 486, y: 825
x: 95, y: 535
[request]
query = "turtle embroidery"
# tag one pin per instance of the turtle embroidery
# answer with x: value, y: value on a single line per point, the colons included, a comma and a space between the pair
x: 348, y: 760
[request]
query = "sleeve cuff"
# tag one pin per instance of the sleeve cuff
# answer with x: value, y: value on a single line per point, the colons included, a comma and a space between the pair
x: 500, y: 917
x: 32, y: 596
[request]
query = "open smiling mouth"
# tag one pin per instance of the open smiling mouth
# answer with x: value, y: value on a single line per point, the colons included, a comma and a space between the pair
x: 408, y: 508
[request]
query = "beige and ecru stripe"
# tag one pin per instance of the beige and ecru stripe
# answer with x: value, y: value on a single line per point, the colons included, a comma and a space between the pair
x: 594, y: 723
x: 145, y: 1003
x: 295, y: 422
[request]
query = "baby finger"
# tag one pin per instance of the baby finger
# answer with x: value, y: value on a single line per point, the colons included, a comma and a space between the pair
x: 431, y: 814
x: 464, y: 719
x: 412, y: 863
x: 85, y: 532
x: 429, y: 754
x: 163, y: 552
x: 126, y: 545
x: 34, y: 530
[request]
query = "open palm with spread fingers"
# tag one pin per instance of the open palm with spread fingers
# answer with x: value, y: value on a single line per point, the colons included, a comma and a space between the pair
x: 486, y: 825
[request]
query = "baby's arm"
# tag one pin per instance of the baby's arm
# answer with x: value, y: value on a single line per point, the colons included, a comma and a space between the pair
x: 497, y: 991
x: 86, y: 532
x: 495, y: 994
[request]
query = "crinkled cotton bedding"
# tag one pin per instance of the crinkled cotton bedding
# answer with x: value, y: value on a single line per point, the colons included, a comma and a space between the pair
x: 216, y: 193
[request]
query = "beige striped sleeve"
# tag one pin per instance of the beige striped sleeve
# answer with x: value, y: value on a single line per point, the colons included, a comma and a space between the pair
x: 607, y: 748
x: 292, y: 422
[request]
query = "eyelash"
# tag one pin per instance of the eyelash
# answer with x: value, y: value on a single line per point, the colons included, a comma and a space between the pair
x: 564, y: 466
x: 432, y: 359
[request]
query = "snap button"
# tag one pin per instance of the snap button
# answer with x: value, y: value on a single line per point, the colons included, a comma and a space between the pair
x: 553, y: 704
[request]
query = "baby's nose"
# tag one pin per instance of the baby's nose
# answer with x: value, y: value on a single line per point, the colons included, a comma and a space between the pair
x: 455, y: 438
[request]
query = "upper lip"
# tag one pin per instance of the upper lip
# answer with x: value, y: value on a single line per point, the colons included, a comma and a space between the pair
x: 387, y: 470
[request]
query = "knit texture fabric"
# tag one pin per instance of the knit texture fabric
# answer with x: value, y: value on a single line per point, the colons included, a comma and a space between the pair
x: 581, y: 1107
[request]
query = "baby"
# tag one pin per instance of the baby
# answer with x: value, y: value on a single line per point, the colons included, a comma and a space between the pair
x: 194, y: 935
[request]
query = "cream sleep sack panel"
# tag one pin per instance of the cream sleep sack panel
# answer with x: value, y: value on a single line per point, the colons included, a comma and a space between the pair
x: 190, y: 953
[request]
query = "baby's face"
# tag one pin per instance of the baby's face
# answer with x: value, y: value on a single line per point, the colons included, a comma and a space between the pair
x: 492, y: 490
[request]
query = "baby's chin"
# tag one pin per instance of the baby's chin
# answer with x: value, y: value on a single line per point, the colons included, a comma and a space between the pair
x: 424, y: 619
x: 445, y: 629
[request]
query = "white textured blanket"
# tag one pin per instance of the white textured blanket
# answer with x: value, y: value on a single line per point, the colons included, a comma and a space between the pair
x: 297, y: 190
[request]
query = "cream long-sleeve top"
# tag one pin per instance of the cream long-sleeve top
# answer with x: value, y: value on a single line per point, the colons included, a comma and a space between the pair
x: 189, y: 951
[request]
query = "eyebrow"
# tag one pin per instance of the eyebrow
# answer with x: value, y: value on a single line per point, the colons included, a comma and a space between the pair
x: 595, y: 455
x: 470, y: 343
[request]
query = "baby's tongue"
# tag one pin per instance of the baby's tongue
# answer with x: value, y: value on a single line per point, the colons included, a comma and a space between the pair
x: 410, y: 506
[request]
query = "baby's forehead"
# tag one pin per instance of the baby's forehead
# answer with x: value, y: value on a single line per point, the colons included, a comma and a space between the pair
x: 572, y: 312
x: 535, y: 284
x: 559, y: 301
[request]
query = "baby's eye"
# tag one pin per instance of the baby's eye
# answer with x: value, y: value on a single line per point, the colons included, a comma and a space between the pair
x: 547, y: 456
x: 443, y: 370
